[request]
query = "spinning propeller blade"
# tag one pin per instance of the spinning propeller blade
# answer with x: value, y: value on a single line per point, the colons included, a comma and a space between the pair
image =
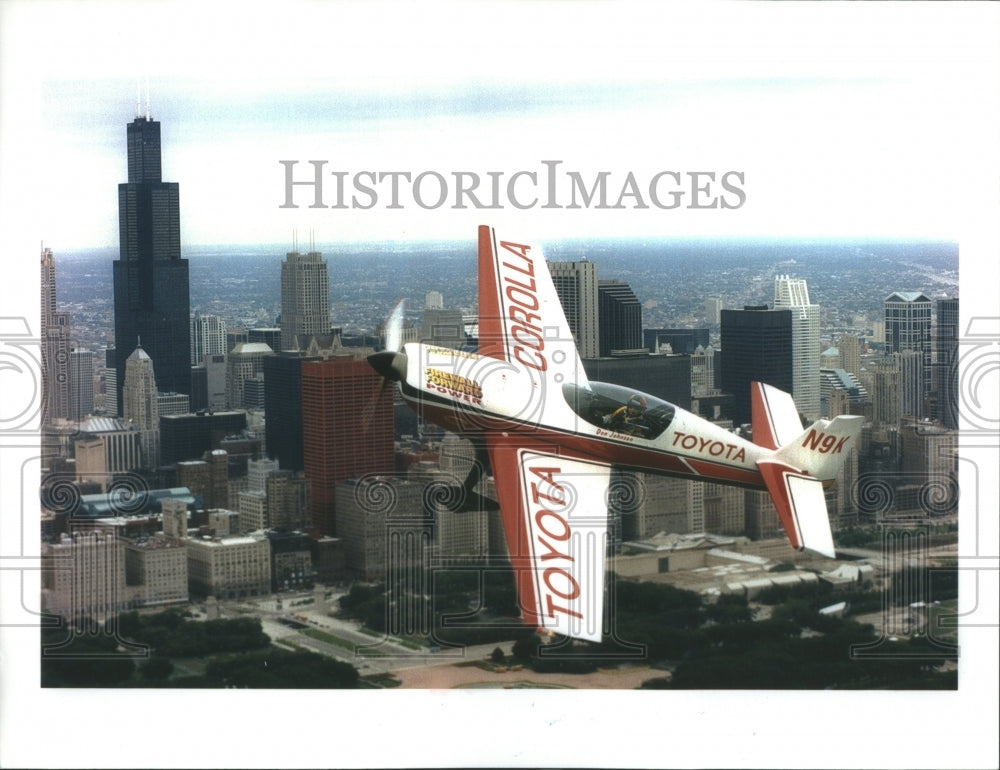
x: 394, y: 328
x: 391, y: 362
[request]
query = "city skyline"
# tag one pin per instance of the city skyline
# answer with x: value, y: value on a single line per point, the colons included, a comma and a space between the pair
x: 846, y: 121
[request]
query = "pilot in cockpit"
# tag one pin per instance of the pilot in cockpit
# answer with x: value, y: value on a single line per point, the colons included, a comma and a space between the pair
x: 630, y: 418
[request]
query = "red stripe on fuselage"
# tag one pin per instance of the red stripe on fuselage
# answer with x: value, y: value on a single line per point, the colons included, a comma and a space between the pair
x: 742, y: 476
x: 587, y: 446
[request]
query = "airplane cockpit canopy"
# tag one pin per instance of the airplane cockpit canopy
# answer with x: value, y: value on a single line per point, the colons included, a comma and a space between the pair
x: 608, y: 406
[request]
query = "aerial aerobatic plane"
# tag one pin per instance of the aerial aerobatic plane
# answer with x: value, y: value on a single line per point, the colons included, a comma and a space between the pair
x: 551, y: 438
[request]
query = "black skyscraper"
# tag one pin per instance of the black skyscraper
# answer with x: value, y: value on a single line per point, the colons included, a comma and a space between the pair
x: 151, y: 280
x: 756, y: 345
x: 947, y: 361
x: 619, y: 317
x: 283, y: 408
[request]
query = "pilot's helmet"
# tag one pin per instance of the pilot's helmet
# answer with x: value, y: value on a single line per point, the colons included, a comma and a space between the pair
x: 637, y: 402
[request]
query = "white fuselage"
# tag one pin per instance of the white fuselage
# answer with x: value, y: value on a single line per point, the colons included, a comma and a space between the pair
x: 472, y: 394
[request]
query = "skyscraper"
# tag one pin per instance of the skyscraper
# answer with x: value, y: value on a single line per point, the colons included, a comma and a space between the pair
x: 208, y: 337
x: 756, y: 345
x: 886, y: 391
x: 850, y: 353
x: 908, y: 327
x: 269, y: 335
x: 55, y: 345
x: 620, y: 317
x: 283, y: 408
x: 139, y: 391
x: 841, y: 393
x: 444, y: 327
x: 150, y: 279
x: 305, y: 296
x: 81, y: 384
x: 792, y: 293
x: 244, y: 363
x: 912, y: 383
x: 48, y: 303
x: 576, y: 286
x: 288, y: 504
x: 140, y: 405
x: 347, y: 430
x: 666, y: 377
x: 713, y: 310
x: 947, y: 361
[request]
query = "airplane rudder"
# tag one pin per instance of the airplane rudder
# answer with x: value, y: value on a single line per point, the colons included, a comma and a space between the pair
x: 822, y: 448
x: 774, y: 416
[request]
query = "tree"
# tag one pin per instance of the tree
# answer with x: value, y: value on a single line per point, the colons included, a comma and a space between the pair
x: 156, y: 669
x: 497, y: 655
x: 83, y: 660
x: 281, y: 669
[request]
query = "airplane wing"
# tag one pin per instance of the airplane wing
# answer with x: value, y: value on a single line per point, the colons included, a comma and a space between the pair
x: 553, y: 504
x: 520, y: 316
x: 555, y: 519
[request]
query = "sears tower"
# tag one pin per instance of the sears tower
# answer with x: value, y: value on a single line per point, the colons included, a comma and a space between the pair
x: 150, y: 278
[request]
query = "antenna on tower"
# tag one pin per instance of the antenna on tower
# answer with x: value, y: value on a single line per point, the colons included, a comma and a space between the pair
x: 138, y: 96
x: 312, y: 240
x: 147, y: 98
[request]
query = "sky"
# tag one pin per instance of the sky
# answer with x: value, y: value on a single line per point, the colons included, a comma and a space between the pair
x: 844, y: 120
x: 837, y: 125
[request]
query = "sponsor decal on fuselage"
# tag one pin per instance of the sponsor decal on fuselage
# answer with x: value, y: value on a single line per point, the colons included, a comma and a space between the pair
x: 448, y: 384
x: 709, y: 446
x: 449, y: 352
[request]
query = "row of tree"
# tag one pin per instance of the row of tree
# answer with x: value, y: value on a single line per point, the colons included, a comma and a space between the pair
x: 709, y: 644
x: 135, y: 650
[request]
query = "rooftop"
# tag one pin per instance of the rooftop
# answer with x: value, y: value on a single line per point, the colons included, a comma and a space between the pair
x: 675, y: 542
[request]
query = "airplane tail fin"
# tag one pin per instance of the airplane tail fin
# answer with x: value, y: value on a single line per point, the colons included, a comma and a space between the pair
x: 802, y: 460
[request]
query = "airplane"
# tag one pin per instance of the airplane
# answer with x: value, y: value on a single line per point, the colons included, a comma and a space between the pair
x: 552, y: 438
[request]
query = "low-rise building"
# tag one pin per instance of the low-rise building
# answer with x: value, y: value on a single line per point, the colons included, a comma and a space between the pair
x: 384, y: 525
x: 291, y: 560
x: 229, y: 567
x: 157, y: 568
x: 83, y: 576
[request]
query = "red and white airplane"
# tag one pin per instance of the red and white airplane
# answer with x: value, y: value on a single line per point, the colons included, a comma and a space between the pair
x: 552, y: 438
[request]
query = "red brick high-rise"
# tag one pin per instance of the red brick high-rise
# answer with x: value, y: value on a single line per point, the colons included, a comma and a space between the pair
x: 347, y: 429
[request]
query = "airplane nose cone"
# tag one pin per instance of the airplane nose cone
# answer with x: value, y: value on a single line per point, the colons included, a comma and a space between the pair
x: 390, y: 365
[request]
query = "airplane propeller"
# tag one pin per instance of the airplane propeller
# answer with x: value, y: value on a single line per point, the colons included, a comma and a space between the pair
x: 391, y: 362
x: 394, y: 327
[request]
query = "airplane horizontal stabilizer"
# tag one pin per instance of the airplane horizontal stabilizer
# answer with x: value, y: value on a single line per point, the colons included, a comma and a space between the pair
x: 801, y: 506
